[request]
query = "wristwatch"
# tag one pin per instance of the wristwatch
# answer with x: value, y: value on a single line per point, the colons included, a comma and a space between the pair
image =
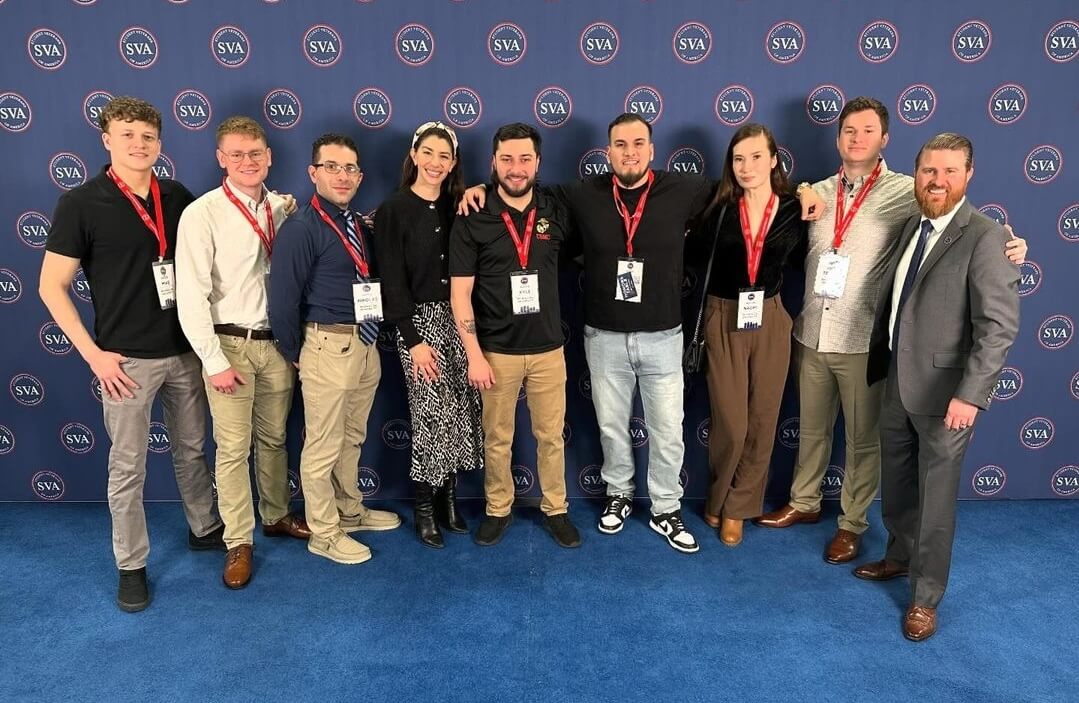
x: 801, y: 186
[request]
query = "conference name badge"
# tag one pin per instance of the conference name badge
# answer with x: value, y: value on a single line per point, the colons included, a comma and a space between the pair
x: 831, y: 279
x: 750, y: 308
x: 629, y: 280
x: 164, y: 273
x: 524, y: 287
x: 367, y: 301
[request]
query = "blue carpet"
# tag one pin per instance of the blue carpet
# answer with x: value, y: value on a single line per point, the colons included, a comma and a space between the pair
x: 622, y: 618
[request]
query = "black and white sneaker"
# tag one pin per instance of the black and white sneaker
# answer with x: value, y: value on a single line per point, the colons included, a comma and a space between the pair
x: 670, y: 526
x: 614, y: 515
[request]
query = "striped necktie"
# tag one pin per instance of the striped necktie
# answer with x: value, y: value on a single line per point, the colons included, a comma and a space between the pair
x: 368, y: 328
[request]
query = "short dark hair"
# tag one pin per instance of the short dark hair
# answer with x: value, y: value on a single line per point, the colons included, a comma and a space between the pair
x: 861, y: 104
x: 335, y: 139
x: 516, y: 130
x: 626, y: 117
x: 947, y: 141
x: 124, y: 108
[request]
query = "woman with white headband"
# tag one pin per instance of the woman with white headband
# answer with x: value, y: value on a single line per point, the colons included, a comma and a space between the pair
x: 412, y: 229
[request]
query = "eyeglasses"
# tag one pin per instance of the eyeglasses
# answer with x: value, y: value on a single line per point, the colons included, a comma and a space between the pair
x: 237, y: 157
x: 333, y: 168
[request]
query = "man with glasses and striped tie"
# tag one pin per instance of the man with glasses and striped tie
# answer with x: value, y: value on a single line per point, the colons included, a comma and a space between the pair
x: 325, y: 309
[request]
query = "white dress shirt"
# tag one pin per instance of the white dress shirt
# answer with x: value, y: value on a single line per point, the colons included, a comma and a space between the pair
x: 939, y: 225
x: 221, y: 268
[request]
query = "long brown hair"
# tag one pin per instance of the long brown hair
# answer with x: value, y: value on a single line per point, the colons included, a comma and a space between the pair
x: 454, y: 183
x: 729, y: 191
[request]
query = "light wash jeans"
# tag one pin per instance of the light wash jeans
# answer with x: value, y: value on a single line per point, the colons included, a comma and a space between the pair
x: 617, y: 362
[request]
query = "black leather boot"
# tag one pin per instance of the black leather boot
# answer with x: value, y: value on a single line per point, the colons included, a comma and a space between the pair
x: 424, y: 517
x: 447, y: 506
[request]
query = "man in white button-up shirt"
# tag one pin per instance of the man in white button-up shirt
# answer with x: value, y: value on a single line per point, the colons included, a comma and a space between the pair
x: 223, y: 254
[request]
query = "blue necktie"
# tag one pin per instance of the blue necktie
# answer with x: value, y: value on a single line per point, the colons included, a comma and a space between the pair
x: 368, y: 328
x: 912, y: 273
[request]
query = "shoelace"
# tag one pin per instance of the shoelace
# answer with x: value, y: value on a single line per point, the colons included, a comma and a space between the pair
x: 234, y: 557
x: 615, y: 506
x: 675, y: 521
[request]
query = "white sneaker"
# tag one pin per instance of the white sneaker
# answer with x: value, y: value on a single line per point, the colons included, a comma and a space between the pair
x: 614, y: 515
x: 670, y: 526
x: 341, y: 548
x: 371, y: 520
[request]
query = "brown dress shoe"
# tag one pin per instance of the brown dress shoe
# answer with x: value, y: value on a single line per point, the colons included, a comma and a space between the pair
x: 730, y: 532
x: 920, y: 623
x: 843, y: 547
x: 882, y: 570
x: 711, y: 520
x: 237, y: 567
x: 785, y: 517
x: 292, y: 525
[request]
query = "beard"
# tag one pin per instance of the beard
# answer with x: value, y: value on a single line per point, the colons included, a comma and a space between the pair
x: 509, y: 189
x: 933, y: 209
x: 627, y: 179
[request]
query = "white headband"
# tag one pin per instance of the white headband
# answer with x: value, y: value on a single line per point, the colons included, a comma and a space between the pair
x: 430, y: 125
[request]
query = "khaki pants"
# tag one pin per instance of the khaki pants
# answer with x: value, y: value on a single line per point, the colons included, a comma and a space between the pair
x: 339, y: 375
x: 259, y: 408
x: 544, y: 378
x: 824, y: 382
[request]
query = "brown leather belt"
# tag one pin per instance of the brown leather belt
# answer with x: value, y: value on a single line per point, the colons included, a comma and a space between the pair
x: 237, y: 331
x: 336, y: 327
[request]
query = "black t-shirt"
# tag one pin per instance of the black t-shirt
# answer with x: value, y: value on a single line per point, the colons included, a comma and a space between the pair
x: 481, y: 246
x: 675, y: 200
x: 784, y: 245
x: 96, y: 224
x: 412, y: 235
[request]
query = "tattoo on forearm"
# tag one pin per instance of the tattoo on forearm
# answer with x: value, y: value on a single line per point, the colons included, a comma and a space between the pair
x: 468, y: 326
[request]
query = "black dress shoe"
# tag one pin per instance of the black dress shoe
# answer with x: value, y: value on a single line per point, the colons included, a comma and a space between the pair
x: 214, y: 540
x: 491, y: 530
x: 133, y: 594
x: 424, y: 516
x: 446, y: 505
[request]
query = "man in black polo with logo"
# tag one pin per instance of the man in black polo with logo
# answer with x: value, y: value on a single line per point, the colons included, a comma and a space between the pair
x: 121, y: 228
x: 504, y: 295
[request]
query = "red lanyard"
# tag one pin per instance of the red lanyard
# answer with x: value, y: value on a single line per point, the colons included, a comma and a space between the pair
x: 755, y: 248
x: 522, y: 246
x: 357, y: 256
x: 842, y: 223
x: 267, y: 240
x: 631, y: 223
x: 158, y: 227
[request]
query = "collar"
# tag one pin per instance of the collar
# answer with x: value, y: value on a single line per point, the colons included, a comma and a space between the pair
x: 243, y: 198
x: 941, y: 223
x: 497, y: 205
x: 332, y: 210
x: 860, y: 180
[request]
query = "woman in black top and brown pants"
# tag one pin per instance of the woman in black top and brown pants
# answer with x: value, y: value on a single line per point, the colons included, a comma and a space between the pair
x: 412, y: 230
x: 747, y: 330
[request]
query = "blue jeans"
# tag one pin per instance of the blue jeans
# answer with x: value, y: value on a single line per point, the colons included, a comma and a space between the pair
x: 619, y: 361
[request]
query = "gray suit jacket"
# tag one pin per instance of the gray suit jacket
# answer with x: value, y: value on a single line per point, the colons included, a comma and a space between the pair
x: 959, y: 321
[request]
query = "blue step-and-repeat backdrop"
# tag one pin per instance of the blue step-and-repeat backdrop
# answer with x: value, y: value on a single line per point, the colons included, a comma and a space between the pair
x: 1005, y: 73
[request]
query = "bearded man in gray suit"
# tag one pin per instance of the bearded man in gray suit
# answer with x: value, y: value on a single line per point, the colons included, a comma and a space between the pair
x: 946, y: 318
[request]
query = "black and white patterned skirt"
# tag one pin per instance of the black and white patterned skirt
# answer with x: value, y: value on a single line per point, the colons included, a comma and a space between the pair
x: 447, y: 434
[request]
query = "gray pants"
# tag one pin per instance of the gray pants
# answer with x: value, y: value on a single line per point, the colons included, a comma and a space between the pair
x: 178, y: 380
x: 921, y: 462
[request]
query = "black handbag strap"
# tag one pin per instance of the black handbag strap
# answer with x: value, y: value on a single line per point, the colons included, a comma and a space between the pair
x: 708, y: 276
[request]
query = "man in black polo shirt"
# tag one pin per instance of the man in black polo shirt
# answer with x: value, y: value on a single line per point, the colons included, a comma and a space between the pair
x: 632, y: 225
x: 325, y: 309
x: 121, y: 228
x: 504, y: 295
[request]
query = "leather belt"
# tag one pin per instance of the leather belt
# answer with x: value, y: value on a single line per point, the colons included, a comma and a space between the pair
x: 237, y: 331
x: 336, y: 327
